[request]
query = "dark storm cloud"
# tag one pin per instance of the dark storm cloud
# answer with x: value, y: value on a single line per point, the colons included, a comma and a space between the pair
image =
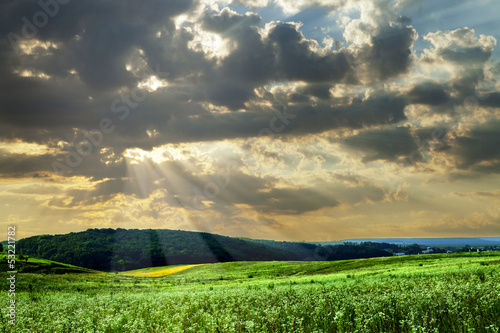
x: 429, y: 93
x: 40, y: 166
x: 490, y: 168
x: 474, y: 154
x: 359, y: 113
x: 295, y: 201
x: 492, y: 100
x: 102, y: 192
x: 259, y: 193
x: 249, y: 65
x: 262, y: 195
x: 107, y: 33
x: 303, y: 119
x: 466, y: 56
x: 31, y: 108
x: 99, y: 38
x: 22, y: 165
x: 319, y: 90
x: 297, y: 60
x: 482, y: 144
x: 285, y: 54
x: 390, y: 52
x: 383, y: 144
x: 54, y: 107
x: 303, y: 94
x: 466, y: 82
x: 106, y: 30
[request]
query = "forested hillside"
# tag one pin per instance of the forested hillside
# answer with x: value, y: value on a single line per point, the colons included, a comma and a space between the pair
x: 110, y: 249
x: 120, y: 249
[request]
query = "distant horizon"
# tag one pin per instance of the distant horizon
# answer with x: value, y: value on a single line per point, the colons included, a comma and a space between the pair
x: 296, y: 241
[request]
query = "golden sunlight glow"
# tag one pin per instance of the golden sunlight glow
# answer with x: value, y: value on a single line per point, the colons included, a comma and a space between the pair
x: 135, y: 155
x: 19, y: 147
x: 157, y: 155
x: 30, y: 47
x: 152, y: 133
x: 152, y: 83
x: 212, y: 108
x: 179, y: 20
x: 30, y: 73
x: 212, y: 44
x: 166, y: 153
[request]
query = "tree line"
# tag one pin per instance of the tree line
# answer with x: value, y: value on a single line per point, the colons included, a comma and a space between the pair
x: 126, y: 249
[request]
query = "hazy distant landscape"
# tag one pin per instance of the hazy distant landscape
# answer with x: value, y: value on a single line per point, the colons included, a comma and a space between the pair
x: 456, y: 242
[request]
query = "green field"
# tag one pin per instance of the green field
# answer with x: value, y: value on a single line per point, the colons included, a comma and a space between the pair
x: 432, y: 293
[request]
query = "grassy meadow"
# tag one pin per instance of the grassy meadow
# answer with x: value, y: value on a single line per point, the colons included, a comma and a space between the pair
x: 426, y: 293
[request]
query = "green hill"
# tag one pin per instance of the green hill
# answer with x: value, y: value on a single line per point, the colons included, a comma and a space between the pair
x: 110, y: 249
x: 42, y: 266
x: 121, y: 249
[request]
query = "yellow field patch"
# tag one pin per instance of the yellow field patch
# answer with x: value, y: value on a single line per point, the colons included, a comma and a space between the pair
x: 158, y: 272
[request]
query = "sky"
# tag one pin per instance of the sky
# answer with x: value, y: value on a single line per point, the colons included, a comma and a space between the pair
x: 315, y: 120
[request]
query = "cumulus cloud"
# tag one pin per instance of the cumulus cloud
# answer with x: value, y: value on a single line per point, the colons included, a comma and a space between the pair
x: 429, y: 93
x: 23, y: 165
x: 87, y: 67
x: 387, y: 55
x: 299, y: 59
x: 462, y: 51
x: 384, y: 144
x: 460, y: 46
x: 479, y: 148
